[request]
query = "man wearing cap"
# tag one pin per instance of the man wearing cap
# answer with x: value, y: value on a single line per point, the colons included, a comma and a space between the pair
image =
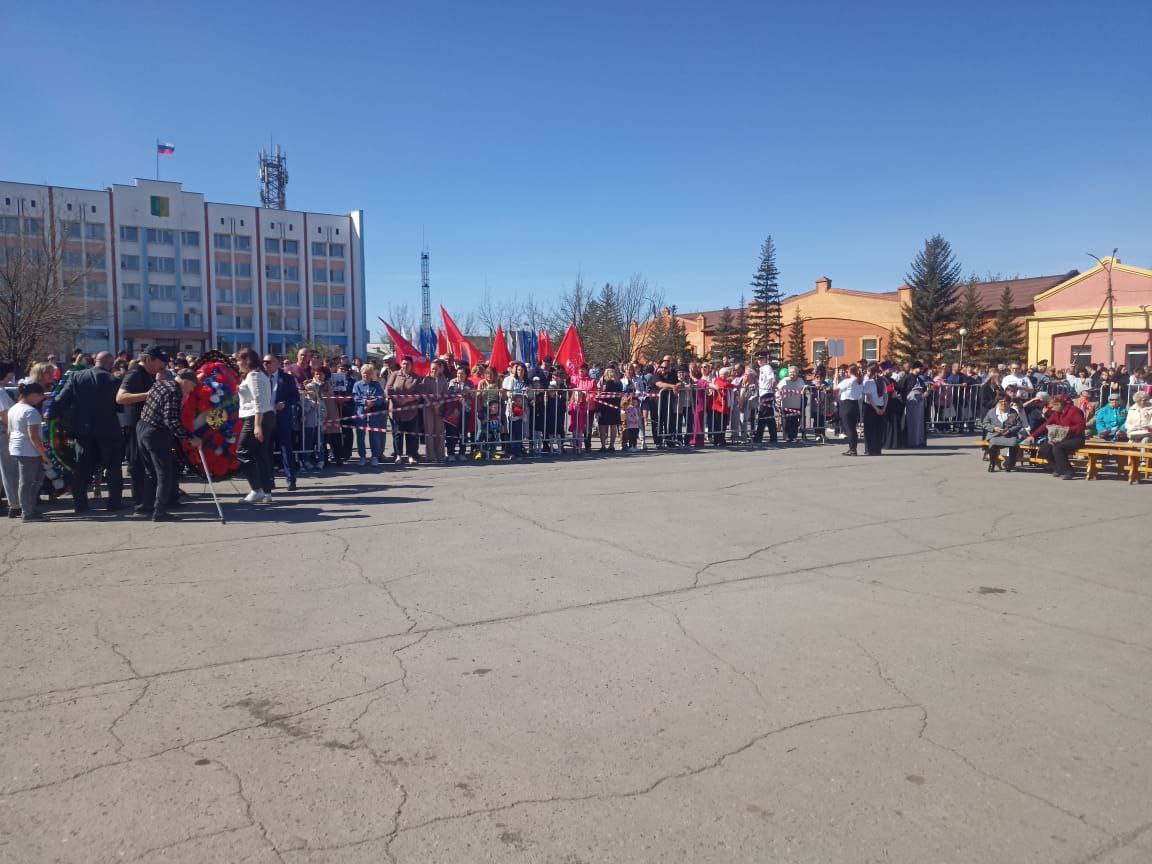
x: 133, y: 392
x: 159, y: 429
x: 89, y: 396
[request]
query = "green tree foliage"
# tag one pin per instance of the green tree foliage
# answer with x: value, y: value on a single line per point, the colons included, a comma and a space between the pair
x: 666, y: 336
x: 969, y: 315
x: 797, y: 347
x: 725, y: 337
x: 603, y: 329
x: 766, y: 317
x: 926, y: 327
x: 1005, y: 338
x: 739, y: 348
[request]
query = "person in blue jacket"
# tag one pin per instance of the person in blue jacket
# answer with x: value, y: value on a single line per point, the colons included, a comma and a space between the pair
x: 1110, y: 418
x: 371, y: 416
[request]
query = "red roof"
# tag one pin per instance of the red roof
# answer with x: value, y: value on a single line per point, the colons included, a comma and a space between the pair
x: 1023, y: 290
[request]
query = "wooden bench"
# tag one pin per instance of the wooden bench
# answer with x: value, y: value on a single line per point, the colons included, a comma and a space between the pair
x: 1132, y: 458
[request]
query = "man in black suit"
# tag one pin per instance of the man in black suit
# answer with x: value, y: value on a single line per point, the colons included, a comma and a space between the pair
x: 286, y: 401
x: 87, y: 404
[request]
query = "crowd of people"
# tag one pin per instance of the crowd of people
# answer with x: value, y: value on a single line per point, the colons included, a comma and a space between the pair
x: 318, y: 411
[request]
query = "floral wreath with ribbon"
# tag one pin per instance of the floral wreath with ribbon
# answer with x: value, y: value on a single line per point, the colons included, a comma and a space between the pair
x: 212, y: 413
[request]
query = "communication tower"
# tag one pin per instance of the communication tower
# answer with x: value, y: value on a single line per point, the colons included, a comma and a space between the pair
x: 425, y: 294
x: 273, y: 179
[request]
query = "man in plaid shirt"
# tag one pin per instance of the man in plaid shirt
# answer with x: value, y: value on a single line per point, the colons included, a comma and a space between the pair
x: 157, y: 432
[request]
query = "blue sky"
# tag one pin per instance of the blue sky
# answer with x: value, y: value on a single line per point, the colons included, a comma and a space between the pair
x: 529, y: 141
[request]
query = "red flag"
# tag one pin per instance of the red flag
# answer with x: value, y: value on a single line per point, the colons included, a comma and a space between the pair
x: 544, y: 345
x: 459, y: 343
x: 500, y: 358
x: 404, y: 348
x: 570, y: 354
x: 441, y: 344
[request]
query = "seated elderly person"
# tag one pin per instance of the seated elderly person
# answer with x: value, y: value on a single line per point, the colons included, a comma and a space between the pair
x: 1138, y: 424
x: 1004, y: 425
x: 1110, y: 418
x: 1034, y: 408
x: 1063, y: 426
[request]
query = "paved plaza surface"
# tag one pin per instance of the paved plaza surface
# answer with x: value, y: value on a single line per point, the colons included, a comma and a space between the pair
x: 781, y: 656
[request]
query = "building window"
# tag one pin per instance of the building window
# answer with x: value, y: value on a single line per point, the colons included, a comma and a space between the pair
x: 193, y: 319
x: 73, y: 259
x: 191, y: 265
x: 291, y: 298
x: 292, y: 273
x: 129, y: 262
x: 244, y: 296
x: 223, y: 321
x: 160, y: 206
x: 337, y: 325
x: 319, y: 274
x: 190, y: 238
x: 243, y: 269
x: 129, y: 234
x: 819, y: 350
x: 291, y: 247
x: 97, y: 289
x: 160, y: 235
x: 224, y: 295
x: 223, y: 268
x: 319, y: 250
x: 97, y: 261
x: 336, y: 276
x: 1081, y: 356
x: 191, y: 293
x: 243, y: 244
x: 33, y: 225
x: 94, y: 230
x: 162, y: 292
x: 292, y: 322
x: 320, y: 301
x: 1136, y: 356
x: 274, y: 298
x: 222, y: 241
x: 70, y: 230
x: 164, y: 319
x: 774, y: 352
x: 337, y: 301
x: 274, y: 319
x: 320, y: 325
x: 160, y: 264
x: 870, y: 350
x: 271, y: 271
x: 244, y: 322
x: 336, y: 250
x: 272, y: 244
x: 9, y: 225
x: 130, y: 290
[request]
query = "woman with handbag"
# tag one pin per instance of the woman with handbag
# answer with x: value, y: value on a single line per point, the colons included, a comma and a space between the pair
x: 1003, y: 426
x: 1064, y: 426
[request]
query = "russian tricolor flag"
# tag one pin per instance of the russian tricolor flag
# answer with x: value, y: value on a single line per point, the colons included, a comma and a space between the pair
x: 164, y: 149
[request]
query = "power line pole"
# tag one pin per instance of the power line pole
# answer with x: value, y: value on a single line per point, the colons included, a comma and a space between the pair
x: 1111, y: 303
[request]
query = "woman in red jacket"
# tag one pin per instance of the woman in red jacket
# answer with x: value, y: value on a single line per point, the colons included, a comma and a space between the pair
x: 1061, y: 414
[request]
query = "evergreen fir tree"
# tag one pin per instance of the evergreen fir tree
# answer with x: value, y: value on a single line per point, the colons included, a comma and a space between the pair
x: 767, y: 316
x: 739, y: 348
x: 667, y: 337
x: 926, y: 326
x: 797, y: 344
x: 969, y: 315
x: 1005, y: 338
x: 722, y: 336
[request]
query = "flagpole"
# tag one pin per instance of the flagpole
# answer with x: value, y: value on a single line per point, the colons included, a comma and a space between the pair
x: 157, y: 158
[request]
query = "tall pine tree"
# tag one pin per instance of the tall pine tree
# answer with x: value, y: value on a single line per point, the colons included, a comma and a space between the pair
x: 722, y: 335
x: 766, y: 315
x: 797, y: 343
x: 739, y: 348
x: 926, y: 325
x: 1005, y: 339
x: 969, y: 316
x: 667, y: 336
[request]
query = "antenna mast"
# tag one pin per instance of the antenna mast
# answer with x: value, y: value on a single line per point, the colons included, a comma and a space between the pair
x: 425, y: 293
x: 273, y: 179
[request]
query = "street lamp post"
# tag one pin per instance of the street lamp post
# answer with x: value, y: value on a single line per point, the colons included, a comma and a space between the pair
x: 963, y: 331
x: 1108, y: 270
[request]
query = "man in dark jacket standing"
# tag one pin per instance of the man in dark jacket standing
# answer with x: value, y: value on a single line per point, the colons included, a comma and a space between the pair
x: 286, y: 402
x: 89, y: 399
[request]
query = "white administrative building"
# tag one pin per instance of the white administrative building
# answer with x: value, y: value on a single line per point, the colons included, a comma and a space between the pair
x: 163, y: 267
